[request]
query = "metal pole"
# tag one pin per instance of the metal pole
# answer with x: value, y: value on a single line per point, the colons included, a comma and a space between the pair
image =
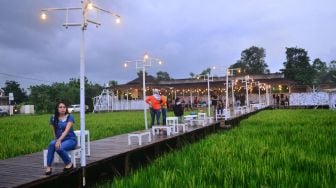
x: 246, y: 88
x: 267, y: 95
x: 232, y: 91
x: 127, y: 100
x: 144, y: 92
x: 259, y: 92
x: 191, y: 99
x: 227, y: 90
x: 82, y: 91
x: 209, y: 96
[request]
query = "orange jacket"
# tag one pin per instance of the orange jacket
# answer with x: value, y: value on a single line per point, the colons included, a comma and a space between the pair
x: 164, y: 101
x: 153, y: 102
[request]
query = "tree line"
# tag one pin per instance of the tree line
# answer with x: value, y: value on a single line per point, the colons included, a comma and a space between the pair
x: 297, y: 67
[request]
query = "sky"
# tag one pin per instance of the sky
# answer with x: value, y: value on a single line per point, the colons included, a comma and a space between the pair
x: 188, y: 36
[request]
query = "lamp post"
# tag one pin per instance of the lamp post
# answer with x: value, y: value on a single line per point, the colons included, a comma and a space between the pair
x: 142, y: 64
x: 207, y: 76
x: 86, y: 6
x: 246, y: 89
x: 231, y: 73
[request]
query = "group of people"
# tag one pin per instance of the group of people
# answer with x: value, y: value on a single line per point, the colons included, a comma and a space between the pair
x: 158, y: 105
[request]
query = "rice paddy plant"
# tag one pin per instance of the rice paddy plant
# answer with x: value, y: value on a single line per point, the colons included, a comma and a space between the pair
x: 274, y: 148
x: 24, y: 134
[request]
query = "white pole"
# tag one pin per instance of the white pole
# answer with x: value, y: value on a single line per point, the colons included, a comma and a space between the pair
x: 246, y: 88
x: 144, y: 93
x: 227, y: 91
x: 209, y: 96
x: 267, y: 95
x: 108, y: 99
x: 127, y: 100
x: 232, y: 91
x: 259, y: 92
x: 82, y: 88
x: 191, y: 99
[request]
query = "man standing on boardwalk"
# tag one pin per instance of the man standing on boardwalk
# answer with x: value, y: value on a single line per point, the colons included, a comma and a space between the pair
x: 154, y: 102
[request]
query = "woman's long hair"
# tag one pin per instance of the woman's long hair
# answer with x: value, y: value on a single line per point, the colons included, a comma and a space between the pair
x: 56, y: 113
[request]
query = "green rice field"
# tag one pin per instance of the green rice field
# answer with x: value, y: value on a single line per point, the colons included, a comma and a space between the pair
x: 274, y: 148
x: 23, y: 134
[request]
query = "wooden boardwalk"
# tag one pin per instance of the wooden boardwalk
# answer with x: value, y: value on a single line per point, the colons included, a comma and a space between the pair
x: 110, y: 157
x: 28, y: 170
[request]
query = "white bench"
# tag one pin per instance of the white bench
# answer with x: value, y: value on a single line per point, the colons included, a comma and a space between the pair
x: 224, y: 115
x: 139, y: 136
x: 87, y: 141
x: 201, y: 119
x: 168, y: 128
x: 173, y: 121
x: 73, y: 154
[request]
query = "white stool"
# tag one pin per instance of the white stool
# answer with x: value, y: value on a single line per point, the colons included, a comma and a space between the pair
x: 168, y: 128
x: 172, y: 121
x: 87, y: 141
x: 139, y: 136
x: 183, y: 125
x: 73, y: 154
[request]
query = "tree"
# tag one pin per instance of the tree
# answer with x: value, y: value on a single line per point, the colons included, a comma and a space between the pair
x: 332, y: 65
x: 239, y: 65
x: 319, y: 66
x: 113, y: 83
x: 139, y: 73
x: 253, y: 60
x: 297, y: 66
x: 320, y: 69
x: 14, y: 87
x: 192, y: 75
x: 206, y: 71
x: 44, y: 97
x: 162, y: 76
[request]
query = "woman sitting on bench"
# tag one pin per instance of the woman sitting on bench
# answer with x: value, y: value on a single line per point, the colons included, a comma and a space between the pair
x: 64, y: 137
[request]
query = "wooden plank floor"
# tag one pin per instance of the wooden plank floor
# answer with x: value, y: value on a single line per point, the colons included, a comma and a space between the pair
x: 29, y: 168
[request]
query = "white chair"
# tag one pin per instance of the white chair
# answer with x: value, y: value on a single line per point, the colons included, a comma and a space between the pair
x: 173, y: 121
x: 201, y: 118
x: 73, y: 154
x: 87, y: 141
x: 139, y: 136
x: 159, y: 127
x: 224, y: 114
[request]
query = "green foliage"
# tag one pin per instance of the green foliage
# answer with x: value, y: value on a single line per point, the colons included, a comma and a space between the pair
x: 28, y: 134
x: 162, y: 76
x: 297, y: 66
x: 274, y: 148
x: 252, y: 61
x: 14, y: 87
x: 44, y: 97
x: 206, y: 71
x: 112, y: 83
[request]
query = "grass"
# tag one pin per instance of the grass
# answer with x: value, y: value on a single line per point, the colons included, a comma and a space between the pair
x: 275, y: 148
x: 28, y: 134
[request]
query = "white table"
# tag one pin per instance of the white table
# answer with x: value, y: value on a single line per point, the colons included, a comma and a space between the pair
x: 139, y: 136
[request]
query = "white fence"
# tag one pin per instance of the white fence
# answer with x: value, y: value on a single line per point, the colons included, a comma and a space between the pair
x: 106, y: 101
x: 309, y: 99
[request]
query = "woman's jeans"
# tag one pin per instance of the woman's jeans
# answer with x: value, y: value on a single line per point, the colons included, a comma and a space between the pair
x: 154, y: 113
x: 164, y: 115
x: 66, y: 145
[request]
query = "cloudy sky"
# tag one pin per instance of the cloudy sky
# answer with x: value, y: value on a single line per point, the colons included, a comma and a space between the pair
x: 188, y: 36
